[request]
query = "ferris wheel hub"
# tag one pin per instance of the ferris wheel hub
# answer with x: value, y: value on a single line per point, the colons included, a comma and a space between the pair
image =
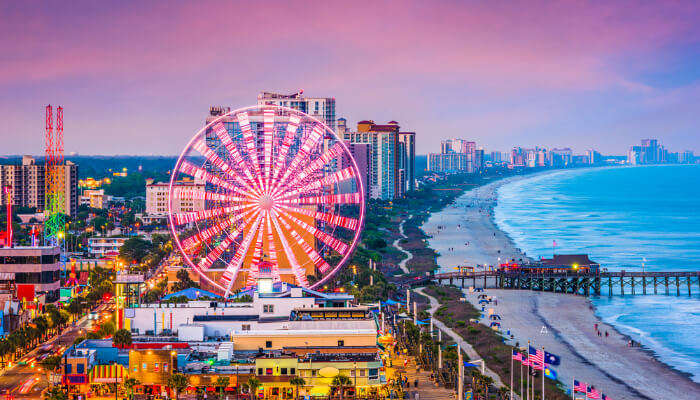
x: 266, y: 202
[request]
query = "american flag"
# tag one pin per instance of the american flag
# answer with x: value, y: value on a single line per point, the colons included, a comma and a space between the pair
x: 517, y: 356
x: 592, y: 393
x: 537, y: 355
x: 537, y: 365
x: 580, y: 386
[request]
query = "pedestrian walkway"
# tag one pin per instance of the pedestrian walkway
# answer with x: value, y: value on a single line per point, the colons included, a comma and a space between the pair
x: 466, y: 347
x: 397, y: 245
x: 426, y: 389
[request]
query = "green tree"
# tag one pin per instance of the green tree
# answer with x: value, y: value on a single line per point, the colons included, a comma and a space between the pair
x: 252, y: 384
x: 129, y: 384
x: 340, y: 382
x: 297, y: 381
x: 184, y: 280
x: 221, y: 383
x: 178, y: 382
x: 50, y: 364
x: 55, y: 393
x: 134, y: 249
x: 122, y: 338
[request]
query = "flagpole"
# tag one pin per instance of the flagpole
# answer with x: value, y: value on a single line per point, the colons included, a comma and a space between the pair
x: 511, y: 376
x: 543, y: 372
x: 521, y: 379
x: 527, y: 383
x: 573, y: 389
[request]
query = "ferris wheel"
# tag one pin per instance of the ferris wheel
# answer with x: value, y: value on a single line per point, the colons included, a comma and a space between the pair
x: 265, y: 194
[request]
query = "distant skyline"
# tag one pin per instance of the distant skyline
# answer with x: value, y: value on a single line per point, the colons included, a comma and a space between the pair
x: 139, y: 78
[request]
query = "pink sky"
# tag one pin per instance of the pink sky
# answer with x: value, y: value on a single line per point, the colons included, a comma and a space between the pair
x: 141, y: 78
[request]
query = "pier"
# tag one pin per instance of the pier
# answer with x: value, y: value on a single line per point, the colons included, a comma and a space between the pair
x: 586, y: 284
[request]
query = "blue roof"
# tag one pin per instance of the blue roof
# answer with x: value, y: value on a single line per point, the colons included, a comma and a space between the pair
x: 193, y: 294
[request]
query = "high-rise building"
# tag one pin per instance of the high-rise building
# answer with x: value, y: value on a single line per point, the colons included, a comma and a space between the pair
x: 362, y: 153
x: 408, y: 157
x: 384, y: 140
x: 322, y: 108
x: 686, y: 157
x: 560, y: 158
x: 594, y: 157
x: 28, y: 187
x: 157, y: 198
x: 456, y: 155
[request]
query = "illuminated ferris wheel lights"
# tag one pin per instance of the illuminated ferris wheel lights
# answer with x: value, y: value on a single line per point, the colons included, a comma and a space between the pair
x: 271, y: 196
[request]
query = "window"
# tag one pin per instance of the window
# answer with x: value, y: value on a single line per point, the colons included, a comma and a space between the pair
x: 362, y: 372
x: 341, y: 343
x: 69, y: 368
x: 268, y: 371
x: 144, y: 367
x: 156, y: 369
x: 260, y: 371
x: 283, y: 371
x: 245, y: 327
x: 268, y: 308
x: 80, y: 368
x: 292, y: 371
x: 268, y: 344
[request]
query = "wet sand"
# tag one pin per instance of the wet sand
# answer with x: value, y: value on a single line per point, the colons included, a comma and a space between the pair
x: 465, y: 234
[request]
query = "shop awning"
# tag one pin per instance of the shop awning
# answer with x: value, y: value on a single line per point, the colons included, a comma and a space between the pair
x: 108, y: 373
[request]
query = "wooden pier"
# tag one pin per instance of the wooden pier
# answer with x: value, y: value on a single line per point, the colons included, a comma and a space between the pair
x: 610, y: 283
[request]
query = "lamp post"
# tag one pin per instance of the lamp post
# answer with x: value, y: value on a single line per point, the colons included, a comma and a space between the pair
x: 354, y: 373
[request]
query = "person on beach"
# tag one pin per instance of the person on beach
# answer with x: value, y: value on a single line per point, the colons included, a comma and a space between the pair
x: 606, y: 333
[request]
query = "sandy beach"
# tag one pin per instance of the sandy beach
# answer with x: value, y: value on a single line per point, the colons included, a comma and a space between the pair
x: 465, y: 234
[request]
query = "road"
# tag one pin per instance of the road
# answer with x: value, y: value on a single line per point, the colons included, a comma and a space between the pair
x: 25, y: 382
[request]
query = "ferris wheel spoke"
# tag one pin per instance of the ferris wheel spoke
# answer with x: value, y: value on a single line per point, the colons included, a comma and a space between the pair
x: 332, y: 242
x: 330, y: 199
x: 234, y: 266
x: 187, y: 193
x: 268, y: 130
x: 236, y: 155
x: 205, y: 263
x: 254, y: 268
x: 200, y: 173
x: 250, y: 145
x: 271, y: 249
x: 316, y: 165
x: 287, y: 142
x: 332, y: 179
x: 222, y: 165
x: 316, y: 258
x: 182, y: 218
x: 194, y: 241
x: 332, y: 219
x: 297, y: 269
x: 312, y: 140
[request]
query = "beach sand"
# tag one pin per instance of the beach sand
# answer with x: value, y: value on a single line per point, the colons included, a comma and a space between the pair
x: 465, y: 234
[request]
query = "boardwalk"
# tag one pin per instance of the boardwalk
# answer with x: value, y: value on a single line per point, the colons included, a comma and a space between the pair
x: 610, y: 283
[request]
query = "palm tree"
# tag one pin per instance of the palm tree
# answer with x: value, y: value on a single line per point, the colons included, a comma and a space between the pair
x: 221, y: 383
x: 252, y: 386
x: 51, y: 364
x: 178, y: 382
x: 122, y: 338
x: 341, y: 382
x: 55, y: 393
x: 297, y: 381
x: 129, y: 384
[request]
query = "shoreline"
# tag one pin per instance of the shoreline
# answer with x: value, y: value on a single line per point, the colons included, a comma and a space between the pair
x: 465, y: 233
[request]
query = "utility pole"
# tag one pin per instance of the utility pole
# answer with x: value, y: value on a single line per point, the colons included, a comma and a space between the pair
x: 460, y: 374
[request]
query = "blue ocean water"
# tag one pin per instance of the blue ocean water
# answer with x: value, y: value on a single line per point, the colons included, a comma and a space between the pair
x: 625, y: 218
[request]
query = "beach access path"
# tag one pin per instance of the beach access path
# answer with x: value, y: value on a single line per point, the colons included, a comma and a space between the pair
x: 471, y: 354
x: 397, y: 244
x: 565, y: 325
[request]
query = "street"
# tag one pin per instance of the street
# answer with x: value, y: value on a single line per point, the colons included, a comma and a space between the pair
x: 23, y: 381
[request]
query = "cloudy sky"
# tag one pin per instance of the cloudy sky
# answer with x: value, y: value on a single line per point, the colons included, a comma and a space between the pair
x: 139, y: 78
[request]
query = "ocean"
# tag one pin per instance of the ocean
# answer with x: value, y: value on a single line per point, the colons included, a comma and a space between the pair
x: 625, y: 218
